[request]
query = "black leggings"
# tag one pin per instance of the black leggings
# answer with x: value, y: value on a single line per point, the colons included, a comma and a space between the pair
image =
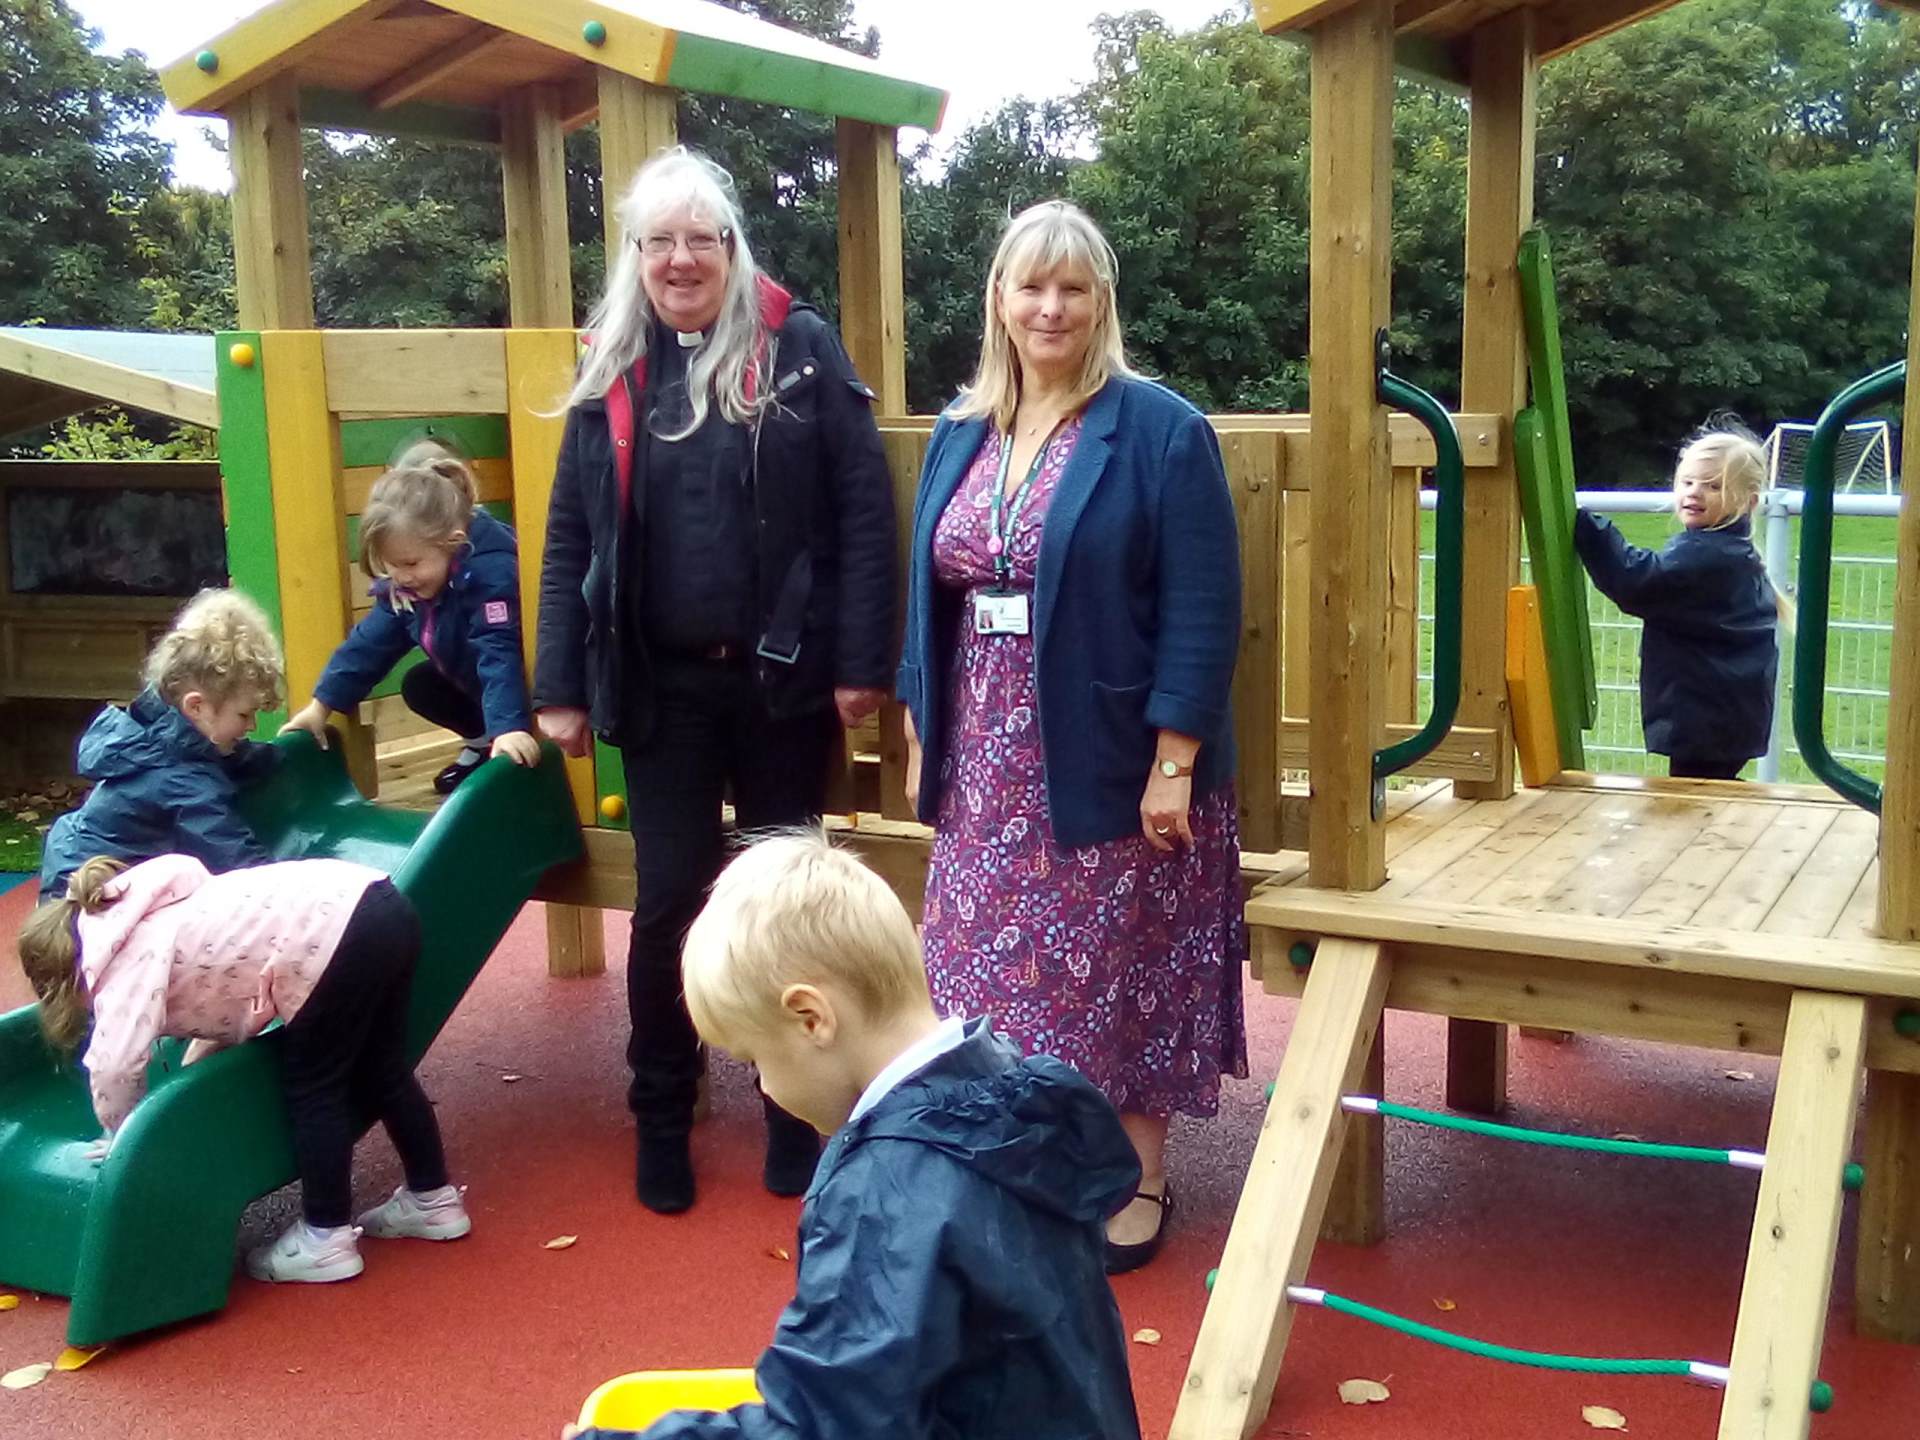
x: 432, y: 696
x: 1692, y: 767
x: 343, y: 1061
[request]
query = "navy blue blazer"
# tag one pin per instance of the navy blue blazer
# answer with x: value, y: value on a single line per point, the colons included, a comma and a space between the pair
x: 1136, y: 608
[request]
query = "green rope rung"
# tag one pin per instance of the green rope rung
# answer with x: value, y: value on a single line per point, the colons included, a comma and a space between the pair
x: 1366, y: 1104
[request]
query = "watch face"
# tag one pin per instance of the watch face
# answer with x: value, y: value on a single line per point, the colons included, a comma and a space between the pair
x: 1169, y: 769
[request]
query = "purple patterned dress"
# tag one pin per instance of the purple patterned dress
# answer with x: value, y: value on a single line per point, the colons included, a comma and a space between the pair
x: 1120, y: 960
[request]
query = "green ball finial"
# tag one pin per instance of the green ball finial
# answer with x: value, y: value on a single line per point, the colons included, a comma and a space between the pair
x: 1907, y: 1023
x: 1820, y: 1397
x: 1854, y: 1176
x: 207, y: 61
x: 594, y: 33
x: 1300, y: 954
x: 1212, y: 1275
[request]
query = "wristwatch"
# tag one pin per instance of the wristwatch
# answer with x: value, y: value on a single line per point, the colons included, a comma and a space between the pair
x: 1173, y: 770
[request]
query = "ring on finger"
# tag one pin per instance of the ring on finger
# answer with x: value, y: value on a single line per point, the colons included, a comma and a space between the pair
x: 1163, y: 829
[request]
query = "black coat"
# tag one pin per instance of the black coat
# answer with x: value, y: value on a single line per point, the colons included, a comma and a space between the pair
x: 1708, y: 658
x: 952, y: 1279
x: 823, y: 505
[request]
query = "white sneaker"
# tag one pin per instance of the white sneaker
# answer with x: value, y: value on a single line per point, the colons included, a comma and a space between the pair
x: 307, y: 1255
x: 436, y: 1215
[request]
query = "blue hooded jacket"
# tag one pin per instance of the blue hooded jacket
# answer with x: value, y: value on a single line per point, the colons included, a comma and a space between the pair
x: 470, y: 630
x: 161, y: 787
x: 951, y: 1268
x: 1708, y: 656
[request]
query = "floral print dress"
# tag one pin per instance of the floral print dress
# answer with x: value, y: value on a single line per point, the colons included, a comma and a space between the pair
x: 1120, y: 960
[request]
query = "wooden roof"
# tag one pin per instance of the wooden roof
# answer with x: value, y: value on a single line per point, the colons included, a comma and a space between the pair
x: 442, y: 69
x: 1425, y: 30
x: 47, y: 375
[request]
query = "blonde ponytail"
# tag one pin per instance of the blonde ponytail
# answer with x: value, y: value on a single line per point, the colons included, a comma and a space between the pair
x: 50, y: 953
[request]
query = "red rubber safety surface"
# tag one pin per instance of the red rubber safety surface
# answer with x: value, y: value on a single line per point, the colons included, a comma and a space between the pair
x: 496, y: 1336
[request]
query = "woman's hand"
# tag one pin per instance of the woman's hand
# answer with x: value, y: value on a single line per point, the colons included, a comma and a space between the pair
x: 1164, y: 811
x: 914, y: 756
x: 855, y: 703
x: 566, y: 726
x: 518, y: 746
x: 312, y: 718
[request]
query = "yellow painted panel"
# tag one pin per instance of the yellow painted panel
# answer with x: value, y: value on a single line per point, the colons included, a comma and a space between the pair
x: 1529, y: 697
x: 260, y: 46
x: 633, y: 46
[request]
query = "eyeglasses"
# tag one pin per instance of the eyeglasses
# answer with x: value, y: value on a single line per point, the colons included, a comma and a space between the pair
x: 698, y: 242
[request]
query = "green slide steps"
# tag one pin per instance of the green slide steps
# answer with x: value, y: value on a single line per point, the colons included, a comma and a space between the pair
x: 147, y: 1237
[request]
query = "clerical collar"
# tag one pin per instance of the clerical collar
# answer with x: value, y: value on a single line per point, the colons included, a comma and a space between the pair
x: 689, y: 339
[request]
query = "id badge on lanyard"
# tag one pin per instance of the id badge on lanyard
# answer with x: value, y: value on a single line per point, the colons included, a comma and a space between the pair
x: 1003, y: 610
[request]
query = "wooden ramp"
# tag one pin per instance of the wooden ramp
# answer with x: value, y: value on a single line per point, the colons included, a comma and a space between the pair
x: 1715, y: 915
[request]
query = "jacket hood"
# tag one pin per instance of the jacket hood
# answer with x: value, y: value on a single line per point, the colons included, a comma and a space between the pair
x: 1032, y: 1126
x: 149, y: 886
x: 149, y: 733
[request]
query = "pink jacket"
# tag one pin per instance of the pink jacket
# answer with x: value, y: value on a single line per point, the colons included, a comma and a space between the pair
x: 186, y: 953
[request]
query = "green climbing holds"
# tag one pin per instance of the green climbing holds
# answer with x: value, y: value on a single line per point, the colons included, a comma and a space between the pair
x: 1820, y: 1397
x: 1853, y: 1177
x: 207, y: 61
x: 594, y: 33
x: 1212, y: 1275
x: 1300, y: 954
x: 1907, y: 1023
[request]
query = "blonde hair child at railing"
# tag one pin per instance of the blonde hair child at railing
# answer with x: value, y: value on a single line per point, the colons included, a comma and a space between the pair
x: 1708, y: 652
x: 167, y: 769
x: 447, y: 579
x: 127, y: 956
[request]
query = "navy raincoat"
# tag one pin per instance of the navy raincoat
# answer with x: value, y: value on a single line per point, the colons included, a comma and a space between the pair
x: 470, y: 630
x: 951, y: 1268
x: 160, y: 788
x: 1708, y: 656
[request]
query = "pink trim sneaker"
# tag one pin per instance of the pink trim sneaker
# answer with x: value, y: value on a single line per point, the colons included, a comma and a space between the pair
x: 436, y: 1215
x: 305, y: 1255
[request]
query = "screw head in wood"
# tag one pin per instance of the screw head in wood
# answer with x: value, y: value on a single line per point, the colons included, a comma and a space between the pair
x: 1907, y: 1023
x: 594, y: 33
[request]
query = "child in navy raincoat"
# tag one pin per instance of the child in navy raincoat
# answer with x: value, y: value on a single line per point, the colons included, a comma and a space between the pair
x: 447, y: 578
x: 1708, y: 656
x: 167, y: 768
x: 952, y: 1247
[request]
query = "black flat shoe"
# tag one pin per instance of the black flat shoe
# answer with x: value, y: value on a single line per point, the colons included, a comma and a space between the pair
x: 663, y: 1174
x: 448, y: 780
x: 1122, y: 1258
x: 793, y: 1150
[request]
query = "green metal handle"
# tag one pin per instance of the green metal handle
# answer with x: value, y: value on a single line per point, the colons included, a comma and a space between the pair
x: 1816, y: 583
x: 1449, y: 536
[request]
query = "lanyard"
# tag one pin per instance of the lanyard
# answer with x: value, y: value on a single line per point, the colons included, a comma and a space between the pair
x: 1006, y: 513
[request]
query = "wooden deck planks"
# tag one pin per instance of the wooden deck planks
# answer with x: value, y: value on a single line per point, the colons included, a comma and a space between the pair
x: 1524, y: 886
x: 1755, y: 885
x: 1621, y: 868
x: 1819, y: 891
x: 1469, y: 874
x: 1857, y: 920
x: 1455, y: 837
x: 1687, y: 883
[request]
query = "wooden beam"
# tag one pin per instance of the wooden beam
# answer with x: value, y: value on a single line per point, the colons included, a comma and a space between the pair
x: 533, y: 173
x: 416, y: 372
x: 1899, y: 901
x: 1255, y: 464
x: 273, y: 273
x: 1796, y: 1221
x: 1244, y: 1334
x: 98, y: 382
x: 637, y: 120
x: 1274, y: 16
x: 1886, y: 1272
x: 1357, y: 1203
x: 1466, y: 753
x: 872, y: 274
x: 423, y: 75
x: 1565, y: 25
x: 260, y: 48
x: 1352, y: 244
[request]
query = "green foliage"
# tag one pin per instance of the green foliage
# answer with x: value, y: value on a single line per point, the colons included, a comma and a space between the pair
x: 111, y: 434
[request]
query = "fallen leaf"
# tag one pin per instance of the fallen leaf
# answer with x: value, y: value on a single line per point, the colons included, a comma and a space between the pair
x: 1146, y: 1336
x: 780, y: 1252
x: 1441, y: 1303
x: 1362, y: 1392
x: 508, y: 1079
x: 28, y: 816
x: 26, y: 1375
x: 1740, y: 1075
x: 1600, y: 1417
x: 1625, y: 1135
x: 561, y: 1242
x: 9, y: 1302
x: 73, y: 1357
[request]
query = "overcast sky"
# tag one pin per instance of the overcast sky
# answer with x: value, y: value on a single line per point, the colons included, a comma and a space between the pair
x: 1000, y: 48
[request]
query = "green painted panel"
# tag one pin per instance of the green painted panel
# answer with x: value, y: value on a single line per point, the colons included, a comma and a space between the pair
x: 343, y: 110
x: 246, y: 484
x: 609, y: 778
x: 1550, y: 403
x: 373, y: 442
x: 1556, y: 571
x: 715, y: 67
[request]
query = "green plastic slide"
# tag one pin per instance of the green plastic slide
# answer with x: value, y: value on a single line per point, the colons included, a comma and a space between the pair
x: 147, y: 1237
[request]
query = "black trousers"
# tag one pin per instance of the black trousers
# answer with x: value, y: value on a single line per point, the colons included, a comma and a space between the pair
x: 711, y: 733
x: 432, y: 696
x: 343, y: 1061
x: 1692, y: 767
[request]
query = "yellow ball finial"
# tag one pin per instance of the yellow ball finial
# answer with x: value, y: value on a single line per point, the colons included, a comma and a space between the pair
x: 241, y: 354
x: 612, y: 807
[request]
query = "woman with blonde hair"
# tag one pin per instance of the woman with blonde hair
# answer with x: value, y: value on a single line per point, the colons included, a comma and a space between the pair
x: 717, y: 597
x: 1073, y: 612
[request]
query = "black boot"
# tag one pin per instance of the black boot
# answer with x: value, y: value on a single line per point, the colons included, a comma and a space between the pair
x: 793, y: 1147
x: 663, y: 1173
x: 464, y: 764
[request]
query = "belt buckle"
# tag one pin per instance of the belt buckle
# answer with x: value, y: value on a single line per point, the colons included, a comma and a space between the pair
x: 766, y: 651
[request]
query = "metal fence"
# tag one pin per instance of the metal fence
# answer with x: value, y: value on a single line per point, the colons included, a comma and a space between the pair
x: 1859, y: 644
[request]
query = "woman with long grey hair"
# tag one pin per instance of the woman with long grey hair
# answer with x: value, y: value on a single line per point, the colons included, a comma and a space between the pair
x: 717, y: 596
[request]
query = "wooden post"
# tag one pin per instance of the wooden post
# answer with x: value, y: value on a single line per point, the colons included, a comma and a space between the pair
x: 873, y: 326
x: 1357, y: 1205
x: 533, y: 173
x: 273, y: 277
x: 1796, y: 1220
x: 1351, y: 244
x: 637, y: 120
x: 1493, y: 380
x: 1243, y: 1336
x: 1887, y: 1267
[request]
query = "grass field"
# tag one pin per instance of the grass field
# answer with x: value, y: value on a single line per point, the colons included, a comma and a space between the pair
x: 1859, y: 652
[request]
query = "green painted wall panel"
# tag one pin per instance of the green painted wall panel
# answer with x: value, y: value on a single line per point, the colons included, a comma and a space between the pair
x: 373, y: 442
x: 246, y: 485
x: 715, y: 67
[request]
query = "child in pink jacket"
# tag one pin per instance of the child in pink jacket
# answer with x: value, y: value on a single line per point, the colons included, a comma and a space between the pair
x: 328, y: 947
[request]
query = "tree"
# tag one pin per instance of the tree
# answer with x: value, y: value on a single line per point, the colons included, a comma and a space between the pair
x: 76, y: 165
